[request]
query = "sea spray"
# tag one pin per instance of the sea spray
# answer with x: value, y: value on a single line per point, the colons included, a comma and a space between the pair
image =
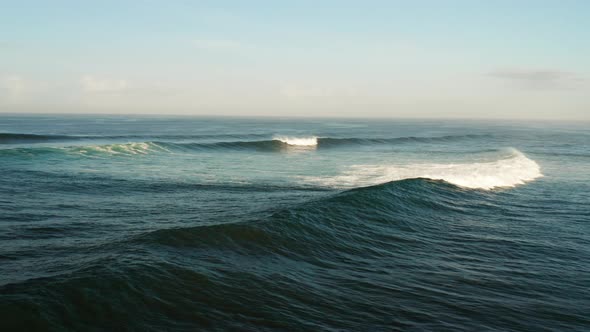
x: 508, y: 171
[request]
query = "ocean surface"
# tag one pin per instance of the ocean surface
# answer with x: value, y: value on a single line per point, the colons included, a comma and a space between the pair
x: 146, y: 223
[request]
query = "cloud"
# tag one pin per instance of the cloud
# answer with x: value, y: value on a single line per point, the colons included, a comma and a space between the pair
x: 539, y: 78
x: 92, y: 84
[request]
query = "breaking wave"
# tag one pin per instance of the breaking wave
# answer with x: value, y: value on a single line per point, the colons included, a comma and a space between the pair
x: 297, y: 141
x: 120, y: 149
x: 126, y: 149
x: 512, y: 170
x: 162, y: 143
x: 19, y: 138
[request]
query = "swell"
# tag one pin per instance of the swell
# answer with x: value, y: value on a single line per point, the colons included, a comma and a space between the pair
x: 92, y: 183
x: 322, y: 223
x: 507, y: 171
x: 277, y: 144
x: 123, y: 149
x: 558, y: 154
x: 145, y: 148
x: 341, y: 262
x: 333, y: 221
x: 20, y: 138
x: 334, y: 142
x: 407, y: 206
x: 8, y: 138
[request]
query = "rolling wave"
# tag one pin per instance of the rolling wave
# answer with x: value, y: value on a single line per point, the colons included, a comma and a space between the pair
x: 515, y: 169
x: 297, y: 141
x: 8, y: 138
x: 326, y: 221
x: 19, y: 138
x: 144, y: 148
x: 277, y: 143
x: 507, y: 171
x: 121, y: 149
x: 331, y: 142
x: 126, y: 149
x: 406, y: 205
x: 15, y: 138
x: 281, y: 142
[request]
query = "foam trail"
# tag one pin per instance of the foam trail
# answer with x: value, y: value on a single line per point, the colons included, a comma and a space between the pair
x: 508, y: 172
x: 120, y: 149
x: 298, y: 141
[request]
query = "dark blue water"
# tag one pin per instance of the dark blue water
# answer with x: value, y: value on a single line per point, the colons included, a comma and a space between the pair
x: 181, y: 224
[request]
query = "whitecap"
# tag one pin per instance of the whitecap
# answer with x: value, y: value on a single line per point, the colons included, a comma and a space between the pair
x: 297, y: 141
x: 515, y: 169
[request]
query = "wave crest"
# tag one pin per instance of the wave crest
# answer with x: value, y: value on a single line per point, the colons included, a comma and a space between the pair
x: 16, y: 138
x: 297, y: 141
x: 120, y: 149
x: 514, y: 170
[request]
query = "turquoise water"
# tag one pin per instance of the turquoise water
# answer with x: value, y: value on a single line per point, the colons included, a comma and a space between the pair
x: 184, y: 223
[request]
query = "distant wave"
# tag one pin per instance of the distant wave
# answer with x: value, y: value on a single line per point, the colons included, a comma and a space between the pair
x: 7, y: 138
x: 120, y: 149
x: 327, y: 142
x: 555, y: 154
x: 166, y: 143
x: 18, y: 138
x: 508, y: 171
x: 126, y: 149
x: 297, y: 141
x: 69, y: 182
x: 331, y: 142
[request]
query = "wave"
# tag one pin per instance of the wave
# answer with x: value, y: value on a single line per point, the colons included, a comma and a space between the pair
x: 8, y: 138
x: 297, y: 141
x: 421, y: 232
x: 126, y: 149
x: 332, y: 142
x: 406, y: 205
x: 283, y: 142
x: 277, y: 144
x: 82, y: 181
x: 555, y: 154
x: 508, y: 171
x: 18, y: 138
x: 245, y: 140
x: 120, y: 149
x: 144, y: 148
x: 328, y: 142
x: 515, y: 169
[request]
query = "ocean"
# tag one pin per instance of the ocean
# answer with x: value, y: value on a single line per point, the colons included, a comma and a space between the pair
x: 154, y: 223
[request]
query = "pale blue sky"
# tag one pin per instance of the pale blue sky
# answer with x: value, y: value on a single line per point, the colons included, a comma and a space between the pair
x: 524, y: 59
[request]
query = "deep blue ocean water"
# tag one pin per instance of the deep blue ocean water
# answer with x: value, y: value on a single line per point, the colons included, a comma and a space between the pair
x: 146, y: 223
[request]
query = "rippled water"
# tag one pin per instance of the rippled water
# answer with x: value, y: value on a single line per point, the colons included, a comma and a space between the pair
x: 179, y: 223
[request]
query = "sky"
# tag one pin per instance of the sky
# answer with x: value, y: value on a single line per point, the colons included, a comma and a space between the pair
x: 418, y: 59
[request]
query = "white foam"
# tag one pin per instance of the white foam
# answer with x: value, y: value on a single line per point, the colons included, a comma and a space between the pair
x: 298, y: 141
x: 121, y: 149
x: 514, y: 170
